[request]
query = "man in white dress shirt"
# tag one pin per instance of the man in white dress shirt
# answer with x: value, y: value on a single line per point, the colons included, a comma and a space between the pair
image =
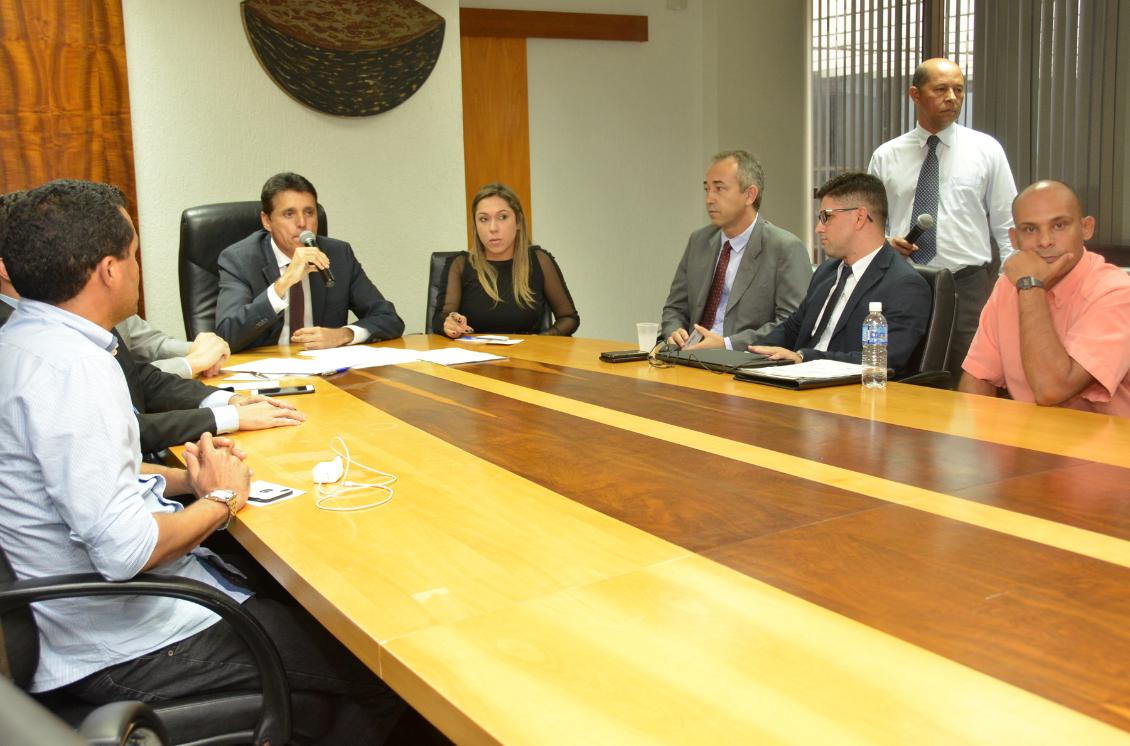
x: 962, y: 179
x: 74, y: 498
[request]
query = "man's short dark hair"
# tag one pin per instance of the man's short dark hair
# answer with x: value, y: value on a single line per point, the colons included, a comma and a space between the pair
x: 283, y: 182
x: 863, y: 188
x: 921, y: 76
x: 7, y: 201
x: 58, y: 233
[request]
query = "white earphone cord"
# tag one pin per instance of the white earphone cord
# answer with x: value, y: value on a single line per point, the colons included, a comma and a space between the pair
x: 345, y: 487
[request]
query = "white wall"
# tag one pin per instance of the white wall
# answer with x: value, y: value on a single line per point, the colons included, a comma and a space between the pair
x: 759, y: 54
x: 620, y: 135
x: 616, y: 165
x: 210, y: 126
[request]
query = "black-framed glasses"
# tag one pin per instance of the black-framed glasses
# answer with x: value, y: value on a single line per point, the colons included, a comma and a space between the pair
x: 824, y: 216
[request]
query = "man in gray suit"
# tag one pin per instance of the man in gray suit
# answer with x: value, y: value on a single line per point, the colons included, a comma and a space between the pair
x: 741, y: 275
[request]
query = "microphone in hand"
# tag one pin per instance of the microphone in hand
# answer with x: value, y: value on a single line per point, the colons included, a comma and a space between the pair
x: 309, y: 239
x: 924, y: 223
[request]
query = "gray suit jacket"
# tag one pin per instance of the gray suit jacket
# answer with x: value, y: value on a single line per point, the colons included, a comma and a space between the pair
x: 151, y: 345
x: 769, y: 285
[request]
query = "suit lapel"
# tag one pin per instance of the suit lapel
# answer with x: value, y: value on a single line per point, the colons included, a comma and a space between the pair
x: 819, y: 297
x: 870, y: 279
x: 749, y: 266
x: 270, y: 264
x: 271, y: 273
x: 705, y: 261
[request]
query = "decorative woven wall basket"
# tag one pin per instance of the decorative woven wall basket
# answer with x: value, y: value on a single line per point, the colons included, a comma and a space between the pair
x: 351, y: 58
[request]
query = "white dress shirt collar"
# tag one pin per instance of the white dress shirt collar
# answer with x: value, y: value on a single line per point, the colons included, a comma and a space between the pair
x: 87, y: 328
x: 738, y: 242
x: 948, y: 136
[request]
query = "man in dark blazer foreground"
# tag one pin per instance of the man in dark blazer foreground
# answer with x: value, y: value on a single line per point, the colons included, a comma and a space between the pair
x: 271, y: 291
x: 745, y: 289
x: 172, y: 410
x: 864, y: 268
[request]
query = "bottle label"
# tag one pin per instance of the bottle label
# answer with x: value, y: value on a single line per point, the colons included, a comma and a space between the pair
x: 875, y: 334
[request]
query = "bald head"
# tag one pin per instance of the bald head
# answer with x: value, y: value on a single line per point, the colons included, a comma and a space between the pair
x: 1050, y: 191
x: 938, y: 90
x: 933, y: 67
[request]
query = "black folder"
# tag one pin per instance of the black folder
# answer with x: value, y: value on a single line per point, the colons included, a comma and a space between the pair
x: 796, y: 384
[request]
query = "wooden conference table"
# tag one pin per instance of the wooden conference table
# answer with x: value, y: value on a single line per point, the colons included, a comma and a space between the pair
x: 580, y: 552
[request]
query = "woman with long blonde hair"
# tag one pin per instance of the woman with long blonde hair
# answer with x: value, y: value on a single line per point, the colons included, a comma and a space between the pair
x: 503, y: 284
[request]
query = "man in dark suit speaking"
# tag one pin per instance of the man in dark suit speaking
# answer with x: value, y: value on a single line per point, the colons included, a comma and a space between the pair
x: 862, y: 267
x: 271, y: 290
x: 741, y: 275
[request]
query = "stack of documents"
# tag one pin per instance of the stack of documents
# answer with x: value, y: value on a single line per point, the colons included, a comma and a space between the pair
x: 809, y: 375
x: 341, y: 359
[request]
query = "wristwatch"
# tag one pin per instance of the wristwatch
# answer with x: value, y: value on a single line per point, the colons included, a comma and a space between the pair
x: 226, y: 497
x: 1027, y: 283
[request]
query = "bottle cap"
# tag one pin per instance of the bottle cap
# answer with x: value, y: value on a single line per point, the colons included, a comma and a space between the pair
x: 875, y: 306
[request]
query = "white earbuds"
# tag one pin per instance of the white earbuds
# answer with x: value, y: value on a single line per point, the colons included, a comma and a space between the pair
x: 327, y: 472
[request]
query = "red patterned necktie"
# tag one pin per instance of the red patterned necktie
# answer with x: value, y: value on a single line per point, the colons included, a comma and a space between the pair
x: 716, y: 287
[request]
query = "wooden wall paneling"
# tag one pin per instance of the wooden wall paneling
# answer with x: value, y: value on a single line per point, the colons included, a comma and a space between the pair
x: 496, y: 126
x: 64, y: 96
x: 496, y: 120
x: 527, y: 24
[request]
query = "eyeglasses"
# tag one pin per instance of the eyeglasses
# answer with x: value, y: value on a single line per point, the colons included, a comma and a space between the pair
x: 824, y: 216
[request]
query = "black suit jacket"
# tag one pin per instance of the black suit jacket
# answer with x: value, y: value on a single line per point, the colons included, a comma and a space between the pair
x: 906, y: 300
x: 244, y: 316
x: 5, y: 312
x: 168, y: 406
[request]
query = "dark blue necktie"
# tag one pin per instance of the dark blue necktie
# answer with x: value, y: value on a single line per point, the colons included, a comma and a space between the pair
x: 926, y: 202
x: 831, y: 305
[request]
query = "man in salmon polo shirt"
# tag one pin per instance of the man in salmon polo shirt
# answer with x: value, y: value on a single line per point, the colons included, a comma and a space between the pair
x: 1056, y: 329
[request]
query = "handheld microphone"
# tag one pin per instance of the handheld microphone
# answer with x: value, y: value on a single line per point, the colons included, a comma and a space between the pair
x: 309, y: 239
x: 924, y: 223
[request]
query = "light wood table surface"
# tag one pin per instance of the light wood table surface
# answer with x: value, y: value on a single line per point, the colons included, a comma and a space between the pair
x: 580, y: 552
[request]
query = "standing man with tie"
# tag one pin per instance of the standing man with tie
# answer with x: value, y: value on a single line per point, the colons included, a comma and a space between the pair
x: 741, y: 275
x: 960, y: 177
x: 271, y: 291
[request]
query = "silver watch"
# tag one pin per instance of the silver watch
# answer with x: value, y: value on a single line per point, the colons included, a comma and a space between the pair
x: 227, y: 497
x: 1027, y: 283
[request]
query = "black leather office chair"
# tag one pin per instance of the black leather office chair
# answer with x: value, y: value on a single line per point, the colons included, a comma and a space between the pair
x: 225, y: 718
x: 205, y: 231
x: 927, y: 364
x: 435, y: 277
x: 116, y: 724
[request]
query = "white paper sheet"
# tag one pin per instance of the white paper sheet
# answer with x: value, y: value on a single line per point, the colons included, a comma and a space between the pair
x: 456, y: 356
x: 274, y: 365
x: 359, y: 357
x: 815, y: 369
x: 488, y: 339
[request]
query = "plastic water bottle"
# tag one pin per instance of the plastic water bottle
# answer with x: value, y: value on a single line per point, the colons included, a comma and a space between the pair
x: 875, y: 347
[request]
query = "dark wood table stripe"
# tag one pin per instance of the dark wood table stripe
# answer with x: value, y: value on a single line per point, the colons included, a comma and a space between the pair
x: 696, y: 500
x: 964, y: 593
x: 1058, y: 488
x: 949, y: 587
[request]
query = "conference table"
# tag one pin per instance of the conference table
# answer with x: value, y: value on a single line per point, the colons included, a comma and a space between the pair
x: 580, y: 552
